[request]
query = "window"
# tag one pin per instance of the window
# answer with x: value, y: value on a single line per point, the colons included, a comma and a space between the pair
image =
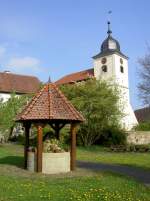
x: 121, y: 69
x: 104, y: 68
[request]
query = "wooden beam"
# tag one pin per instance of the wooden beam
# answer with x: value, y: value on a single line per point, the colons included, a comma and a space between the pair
x: 57, y: 127
x: 73, y: 147
x: 27, y: 143
x: 61, y: 125
x: 39, y: 147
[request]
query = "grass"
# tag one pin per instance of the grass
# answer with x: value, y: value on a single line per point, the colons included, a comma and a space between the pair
x: 17, y: 184
x: 103, y: 155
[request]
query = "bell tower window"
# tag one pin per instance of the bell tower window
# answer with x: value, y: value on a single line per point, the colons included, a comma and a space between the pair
x: 121, y: 69
x: 104, y: 68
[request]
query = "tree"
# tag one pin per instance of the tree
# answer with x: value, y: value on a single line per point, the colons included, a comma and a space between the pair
x: 8, y: 112
x: 143, y: 126
x: 98, y: 102
x: 144, y: 74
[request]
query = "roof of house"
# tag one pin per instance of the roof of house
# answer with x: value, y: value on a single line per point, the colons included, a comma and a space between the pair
x: 20, y: 84
x: 76, y: 77
x: 143, y: 114
x: 50, y: 104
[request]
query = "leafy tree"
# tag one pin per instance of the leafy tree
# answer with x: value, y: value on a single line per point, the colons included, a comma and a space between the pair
x: 144, y: 74
x: 9, y: 110
x: 98, y: 102
x: 143, y: 126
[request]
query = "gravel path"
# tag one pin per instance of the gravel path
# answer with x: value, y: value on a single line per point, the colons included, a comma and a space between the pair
x: 138, y: 174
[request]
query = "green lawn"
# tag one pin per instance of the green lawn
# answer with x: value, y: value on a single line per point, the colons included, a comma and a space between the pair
x: 103, y: 155
x: 17, y: 184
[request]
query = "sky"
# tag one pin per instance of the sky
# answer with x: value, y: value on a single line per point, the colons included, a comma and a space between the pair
x: 57, y: 37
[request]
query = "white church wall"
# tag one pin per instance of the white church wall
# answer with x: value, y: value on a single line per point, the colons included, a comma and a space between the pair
x: 121, y: 78
x: 115, y: 76
x: 98, y: 72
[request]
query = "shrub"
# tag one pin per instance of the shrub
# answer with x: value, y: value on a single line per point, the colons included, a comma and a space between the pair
x: 143, y: 126
x: 113, y: 136
x: 131, y: 148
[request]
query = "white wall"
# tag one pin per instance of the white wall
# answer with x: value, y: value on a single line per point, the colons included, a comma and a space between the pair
x: 115, y: 76
x: 4, y: 96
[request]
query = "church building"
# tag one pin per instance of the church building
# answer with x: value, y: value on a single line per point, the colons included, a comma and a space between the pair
x: 109, y: 64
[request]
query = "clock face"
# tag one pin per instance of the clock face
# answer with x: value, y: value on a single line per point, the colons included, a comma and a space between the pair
x: 104, y: 60
x: 121, y: 60
x: 112, y: 44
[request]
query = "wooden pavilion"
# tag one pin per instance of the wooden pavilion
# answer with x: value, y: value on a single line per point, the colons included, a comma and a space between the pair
x: 49, y: 106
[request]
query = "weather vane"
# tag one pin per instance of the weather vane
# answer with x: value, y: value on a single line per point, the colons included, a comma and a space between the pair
x: 109, y: 12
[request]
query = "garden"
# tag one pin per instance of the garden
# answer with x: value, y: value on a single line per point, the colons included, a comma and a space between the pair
x: 18, y: 184
x: 100, y: 141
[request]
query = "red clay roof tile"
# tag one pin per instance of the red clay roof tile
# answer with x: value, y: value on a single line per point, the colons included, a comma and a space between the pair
x: 76, y: 77
x: 50, y: 104
x: 20, y: 84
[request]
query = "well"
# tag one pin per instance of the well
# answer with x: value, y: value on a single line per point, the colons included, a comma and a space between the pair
x: 49, y: 107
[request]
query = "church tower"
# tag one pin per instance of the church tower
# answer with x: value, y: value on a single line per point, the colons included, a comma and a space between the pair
x: 112, y: 65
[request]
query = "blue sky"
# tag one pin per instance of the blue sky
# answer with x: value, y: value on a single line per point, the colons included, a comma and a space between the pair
x: 56, y: 37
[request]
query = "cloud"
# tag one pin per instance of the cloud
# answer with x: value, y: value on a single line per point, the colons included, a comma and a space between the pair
x: 24, y: 62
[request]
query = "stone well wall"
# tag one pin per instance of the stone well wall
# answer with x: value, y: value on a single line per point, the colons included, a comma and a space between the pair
x: 52, y: 163
x: 138, y: 137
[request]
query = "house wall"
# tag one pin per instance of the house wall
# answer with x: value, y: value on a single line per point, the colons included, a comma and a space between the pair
x: 6, y: 96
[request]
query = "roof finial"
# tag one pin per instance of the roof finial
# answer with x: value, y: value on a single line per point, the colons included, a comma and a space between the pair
x: 109, y: 29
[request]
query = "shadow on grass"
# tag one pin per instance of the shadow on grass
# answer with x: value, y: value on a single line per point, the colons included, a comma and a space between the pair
x: 135, y: 172
x: 12, y: 160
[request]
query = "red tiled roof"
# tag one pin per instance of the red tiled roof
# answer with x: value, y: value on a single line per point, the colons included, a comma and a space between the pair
x: 21, y: 84
x: 143, y: 114
x: 50, y: 104
x: 76, y: 77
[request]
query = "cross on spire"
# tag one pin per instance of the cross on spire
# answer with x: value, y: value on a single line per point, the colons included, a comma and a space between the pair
x: 109, y: 29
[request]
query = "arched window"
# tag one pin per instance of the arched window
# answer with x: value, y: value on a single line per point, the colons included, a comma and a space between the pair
x: 121, y: 69
x: 104, y: 68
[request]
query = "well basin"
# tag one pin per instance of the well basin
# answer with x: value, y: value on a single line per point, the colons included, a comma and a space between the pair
x: 52, y: 163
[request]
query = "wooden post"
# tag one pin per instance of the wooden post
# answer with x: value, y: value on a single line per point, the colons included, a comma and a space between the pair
x: 39, y: 147
x: 26, y: 145
x: 73, y: 147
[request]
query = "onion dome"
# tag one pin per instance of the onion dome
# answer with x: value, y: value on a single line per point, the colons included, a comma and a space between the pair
x: 109, y: 46
x: 110, y: 43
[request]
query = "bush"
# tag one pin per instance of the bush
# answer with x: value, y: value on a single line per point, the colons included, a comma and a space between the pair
x: 113, y: 136
x: 143, y: 126
x: 131, y: 148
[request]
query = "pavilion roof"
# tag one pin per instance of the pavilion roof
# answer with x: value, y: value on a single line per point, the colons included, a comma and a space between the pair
x: 50, y: 104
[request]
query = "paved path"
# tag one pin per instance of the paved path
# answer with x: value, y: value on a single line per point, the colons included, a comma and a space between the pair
x: 139, y: 174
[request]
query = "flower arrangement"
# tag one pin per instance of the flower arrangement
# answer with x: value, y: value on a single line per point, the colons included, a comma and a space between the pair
x: 52, y: 146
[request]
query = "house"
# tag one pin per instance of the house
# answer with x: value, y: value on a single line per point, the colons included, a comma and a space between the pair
x: 20, y: 84
x: 109, y: 64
